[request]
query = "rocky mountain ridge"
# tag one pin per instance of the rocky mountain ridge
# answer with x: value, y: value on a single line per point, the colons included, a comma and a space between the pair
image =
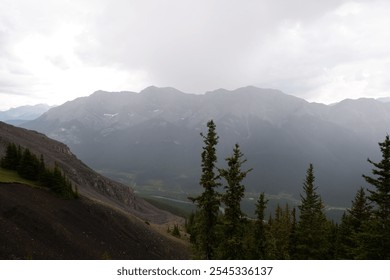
x: 151, y: 139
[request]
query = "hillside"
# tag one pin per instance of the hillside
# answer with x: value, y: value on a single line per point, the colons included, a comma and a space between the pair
x: 38, y: 224
x: 90, y: 184
x: 35, y: 224
x: 151, y: 139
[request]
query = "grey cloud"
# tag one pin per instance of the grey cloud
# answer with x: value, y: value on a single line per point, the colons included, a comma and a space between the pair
x: 59, y: 61
x: 297, y: 46
x: 198, y: 45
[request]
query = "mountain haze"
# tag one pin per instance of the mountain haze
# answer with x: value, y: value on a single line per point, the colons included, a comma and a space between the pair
x: 151, y: 139
x: 19, y: 115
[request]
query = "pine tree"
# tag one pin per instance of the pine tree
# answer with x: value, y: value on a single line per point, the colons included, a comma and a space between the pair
x: 360, y: 209
x: 208, y: 202
x: 11, y: 158
x: 293, y: 242
x: 332, y: 233
x: 176, y: 231
x: 380, y: 196
x: 345, y: 240
x: 351, y: 234
x: 311, y: 231
x: 279, y: 234
x: 260, y: 228
x: 233, y: 220
x: 29, y: 166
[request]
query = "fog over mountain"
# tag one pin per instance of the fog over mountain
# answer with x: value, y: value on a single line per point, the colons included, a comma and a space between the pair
x: 23, y: 114
x: 151, y: 139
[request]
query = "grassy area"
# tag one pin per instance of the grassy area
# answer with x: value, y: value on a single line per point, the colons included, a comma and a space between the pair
x: 10, y: 176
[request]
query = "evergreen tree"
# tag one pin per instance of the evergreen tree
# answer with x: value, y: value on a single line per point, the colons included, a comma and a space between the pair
x: 279, y: 234
x: 233, y: 220
x: 380, y: 196
x: 42, y: 167
x: 260, y: 228
x: 332, y: 230
x: 11, y: 158
x: 351, y: 234
x: 293, y: 241
x: 311, y: 231
x: 360, y: 209
x: 176, y: 231
x: 29, y: 166
x: 209, y: 201
x: 345, y: 240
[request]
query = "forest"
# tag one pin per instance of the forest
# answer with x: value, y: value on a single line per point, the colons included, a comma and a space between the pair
x: 301, y: 233
x: 30, y: 167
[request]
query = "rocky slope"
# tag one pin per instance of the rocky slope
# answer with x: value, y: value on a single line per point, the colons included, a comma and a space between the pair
x: 35, y: 224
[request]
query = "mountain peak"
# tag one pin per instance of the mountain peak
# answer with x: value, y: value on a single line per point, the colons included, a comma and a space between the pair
x: 99, y: 93
x: 247, y: 90
x: 153, y: 90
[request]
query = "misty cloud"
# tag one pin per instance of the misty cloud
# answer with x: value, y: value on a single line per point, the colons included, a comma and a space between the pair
x: 318, y: 50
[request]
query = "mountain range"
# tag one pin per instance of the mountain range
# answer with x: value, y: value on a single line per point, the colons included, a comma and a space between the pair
x: 151, y: 139
x: 19, y: 115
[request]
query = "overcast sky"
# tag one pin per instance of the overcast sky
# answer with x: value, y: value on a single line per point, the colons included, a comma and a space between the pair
x: 323, y: 50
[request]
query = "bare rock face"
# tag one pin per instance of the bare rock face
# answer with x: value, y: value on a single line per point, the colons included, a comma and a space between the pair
x: 89, y: 183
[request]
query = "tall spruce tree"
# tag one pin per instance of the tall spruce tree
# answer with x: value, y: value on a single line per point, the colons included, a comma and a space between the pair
x: 260, y: 228
x: 279, y: 234
x: 293, y: 242
x: 12, y: 157
x: 380, y: 196
x: 351, y: 228
x: 233, y: 220
x: 209, y: 201
x: 311, y: 232
x: 29, y: 165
